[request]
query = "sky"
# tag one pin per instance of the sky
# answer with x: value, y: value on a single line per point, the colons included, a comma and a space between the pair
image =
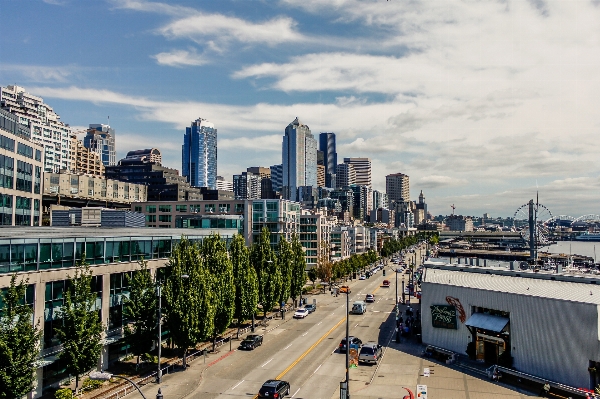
x: 481, y: 103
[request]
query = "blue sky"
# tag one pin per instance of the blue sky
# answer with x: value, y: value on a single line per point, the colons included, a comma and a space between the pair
x: 481, y: 103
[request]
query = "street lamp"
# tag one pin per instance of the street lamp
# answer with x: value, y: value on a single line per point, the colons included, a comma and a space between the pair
x: 159, y: 295
x: 100, y: 376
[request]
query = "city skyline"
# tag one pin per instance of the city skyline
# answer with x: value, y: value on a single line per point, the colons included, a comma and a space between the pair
x: 481, y: 106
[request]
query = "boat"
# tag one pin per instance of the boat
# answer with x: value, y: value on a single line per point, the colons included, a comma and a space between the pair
x: 587, y: 236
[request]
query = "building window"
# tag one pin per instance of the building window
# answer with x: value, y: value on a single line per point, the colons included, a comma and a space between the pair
x: 181, y: 208
x: 150, y: 218
x: 164, y: 218
x: 6, y: 204
x: 224, y: 208
x: 38, y: 155
x: 37, y: 184
x: 164, y: 208
x: 7, y: 143
x: 24, y: 176
x: 7, y: 171
x: 239, y: 208
x: 209, y: 208
x: 23, y: 211
x: 137, y: 208
x: 25, y: 150
x: 150, y: 208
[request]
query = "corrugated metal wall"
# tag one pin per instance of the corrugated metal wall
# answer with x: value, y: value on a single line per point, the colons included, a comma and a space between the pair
x: 553, y: 339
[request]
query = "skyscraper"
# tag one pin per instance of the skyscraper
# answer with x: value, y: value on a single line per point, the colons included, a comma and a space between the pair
x: 362, y: 167
x: 100, y: 139
x: 397, y: 187
x: 299, y: 155
x: 247, y: 185
x: 345, y: 176
x: 277, y: 177
x: 199, y: 154
x: 327, y: 145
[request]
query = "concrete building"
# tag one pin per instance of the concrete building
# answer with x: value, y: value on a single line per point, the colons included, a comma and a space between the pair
x: 327, y: 144
x: 459, y: 223
x: 546, y: 322
x: 346, y: 198
x: 199, y: 154
x: 382, y: 215
x: 46, y: 256
x: 223, y: 184
x: 397, y: 187
x: 359, y: 238
x: 83, y: 160
x: 264, y: 173
x: 380, y: 200
x: 299, y: 155
x: 21, y: 165
x: 321, y: 176
x: 44, y: 125
x: 340, y: 244
x: 101, y: 140
x: 362, y: 169
x: 405, y: 215
x: 315, y: 237
x: 147, y: 155
x: 247, y: 186
x: 345, y: 175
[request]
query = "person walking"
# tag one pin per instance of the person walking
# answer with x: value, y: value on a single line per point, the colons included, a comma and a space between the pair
x: 545, y: 390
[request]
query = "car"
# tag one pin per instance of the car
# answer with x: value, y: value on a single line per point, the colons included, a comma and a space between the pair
x: 362, y: 277
x: 386, y: 283
x: 345, y: 289
x: 370, y: 353
x: 399, y: 270
x: 354, y: 341
x: 300, y: 313
x: 274, y: 389
x: 251, y: 342
x: 370, y: 298
x: 310, y: 307
x: 406, y: 291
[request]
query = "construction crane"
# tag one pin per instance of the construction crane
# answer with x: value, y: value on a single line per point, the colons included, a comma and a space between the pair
x: 453, y: 208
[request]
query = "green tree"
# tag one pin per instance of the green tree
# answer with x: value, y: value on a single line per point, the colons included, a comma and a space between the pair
x: 267, y: 272
x: 312, y: 275
x: 244, y: 277
x: 81, y: 330
x: 189, y: 301
x: 298, y: 270
x: 19, y: 342
x: 220, y: 270
x: 285, y: 260
x: 141, y: 310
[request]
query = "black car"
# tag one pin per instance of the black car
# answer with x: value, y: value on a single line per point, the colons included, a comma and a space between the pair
x: 251, y: 342
x: 274, y: 389
x: 353, y: 341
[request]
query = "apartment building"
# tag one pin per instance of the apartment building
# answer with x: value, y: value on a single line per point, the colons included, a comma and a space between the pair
x: 315, y: 237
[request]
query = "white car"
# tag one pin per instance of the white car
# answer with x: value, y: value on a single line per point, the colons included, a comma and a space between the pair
x: 362, y: 277
x: 300, y: 313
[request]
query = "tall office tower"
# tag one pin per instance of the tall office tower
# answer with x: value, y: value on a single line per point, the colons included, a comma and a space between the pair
x: 247, y: 186
x: 321, y: 175
x: 327, y: 145
x: 224, y: 185
x: 345, y: 176
x: 320, y: 158
x: 101, y: 140
x: 363, y: 201
x: 397, y: 187
x: 362, y: 167
x: 44, y: 126
x: 199, y: 154
x: 299, y: 155
x: 277, y: 177
x: 380, y: 200
x: 264, y: 173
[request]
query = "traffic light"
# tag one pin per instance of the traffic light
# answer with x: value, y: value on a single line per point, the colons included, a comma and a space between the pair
x: 383, y: 272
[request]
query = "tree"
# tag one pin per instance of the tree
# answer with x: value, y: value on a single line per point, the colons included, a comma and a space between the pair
x: 312, y: 275
x: 189, y: 301
x: 81, y: 330
x: 268, y: 274
x: 220, y: 270
x: 285, y: 260
x: 19, y: 342
x: 298, y: 269
x: 141, y: 311
x: 244, y: 278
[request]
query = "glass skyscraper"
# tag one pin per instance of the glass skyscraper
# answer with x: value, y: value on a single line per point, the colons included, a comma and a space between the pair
x: 299, y: 155
x: 199, y: 154
x: 327, y: 145
x: 101, y: 140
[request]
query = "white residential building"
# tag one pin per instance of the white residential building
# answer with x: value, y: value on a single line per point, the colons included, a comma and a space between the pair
x: 362, y: 168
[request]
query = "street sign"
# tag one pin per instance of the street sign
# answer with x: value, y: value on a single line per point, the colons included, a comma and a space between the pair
x: 426, y: 372
x: 422, y: 391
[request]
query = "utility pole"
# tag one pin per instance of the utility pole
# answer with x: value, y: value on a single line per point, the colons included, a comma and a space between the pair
x: 347, y: 345
x: 158, y: 293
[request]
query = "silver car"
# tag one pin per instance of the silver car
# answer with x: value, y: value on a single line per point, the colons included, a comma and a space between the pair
x: 370, y: 353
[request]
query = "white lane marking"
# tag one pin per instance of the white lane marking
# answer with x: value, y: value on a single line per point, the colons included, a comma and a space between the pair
x: 295, y: 392
x: 236, y: 385
x: 331, y: 314
x: 287, y: 346
x: 319, y: 322
x: 317, y: 369
x: 268, y: 361
x: 305, y: 333
x: 356, y: 325
x: 376, y: 311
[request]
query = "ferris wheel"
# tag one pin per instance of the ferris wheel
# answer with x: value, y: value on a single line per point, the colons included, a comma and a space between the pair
x: 541, y: 217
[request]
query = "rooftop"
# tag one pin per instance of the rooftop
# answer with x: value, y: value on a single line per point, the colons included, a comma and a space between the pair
x: 84, y: 232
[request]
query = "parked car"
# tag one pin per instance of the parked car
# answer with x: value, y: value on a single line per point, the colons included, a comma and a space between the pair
x: 362, y: 277
x: 345, y: 289
x: 310, y: 307
x: 274, y: 389
x: 386, y: 283
x: 251, y: 342
x: 353, y: 341
x: 370, y: 353
x: 300, y: 313
x: 370, y: 298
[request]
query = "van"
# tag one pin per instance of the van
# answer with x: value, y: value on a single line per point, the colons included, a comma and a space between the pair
x: 359, y: 307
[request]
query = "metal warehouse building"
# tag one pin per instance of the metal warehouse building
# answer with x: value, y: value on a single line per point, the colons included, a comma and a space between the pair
x: 548, y: 323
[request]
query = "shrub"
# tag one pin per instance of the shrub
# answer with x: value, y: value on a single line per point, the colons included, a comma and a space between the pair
x: 90, y: 385
x: 65, y: 393
x: 146, y: 357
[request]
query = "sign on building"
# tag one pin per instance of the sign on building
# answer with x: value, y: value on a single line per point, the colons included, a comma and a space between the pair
x: 443, y: 316
x: 422, y: 391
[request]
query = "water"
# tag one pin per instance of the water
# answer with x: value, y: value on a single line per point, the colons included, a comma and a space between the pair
x: 574, y: 248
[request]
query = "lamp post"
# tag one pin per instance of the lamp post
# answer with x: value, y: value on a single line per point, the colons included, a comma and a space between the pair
x: 347, y: 345
x: 159, y: 294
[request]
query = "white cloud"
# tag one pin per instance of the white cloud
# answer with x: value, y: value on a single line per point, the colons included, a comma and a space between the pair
x: 436, y: 181
x: 41, y: 73
x: 181, y: 58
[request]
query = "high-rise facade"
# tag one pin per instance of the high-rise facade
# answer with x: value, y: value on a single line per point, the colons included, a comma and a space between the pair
x: 321, y: 176
x: 101, y: 140
x: 380, y: 200
x: 43, y: 123
x: 345, y: 175
x: 224, y: 185
x: 327, y: 145
x: 362, y: 168
x: 247, y: 186
x: 397, y: 187
x: 299, y: 155
x: 276, y: 177
x: 199, y: 154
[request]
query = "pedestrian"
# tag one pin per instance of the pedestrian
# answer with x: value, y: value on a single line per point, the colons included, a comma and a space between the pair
x: 545, y: 390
